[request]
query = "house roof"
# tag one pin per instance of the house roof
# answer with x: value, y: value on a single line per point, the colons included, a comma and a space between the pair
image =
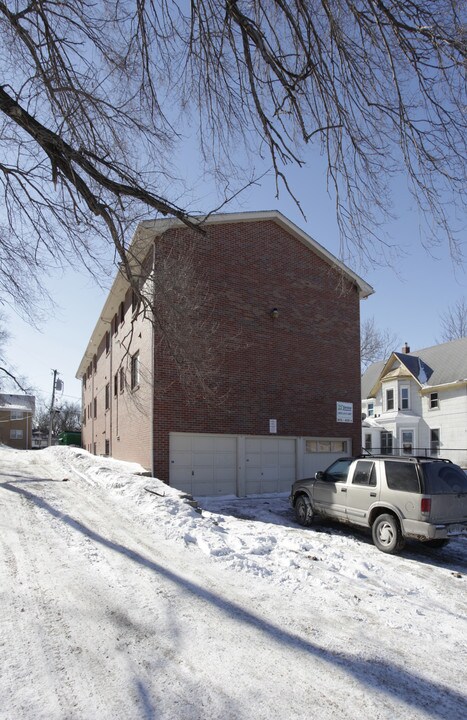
x: 23, y: 403
x: 431, y: 367
x: 148, y: 230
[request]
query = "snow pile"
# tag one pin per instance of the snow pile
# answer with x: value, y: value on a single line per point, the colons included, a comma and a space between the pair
x: 256, y: 535
x: 123, y: 603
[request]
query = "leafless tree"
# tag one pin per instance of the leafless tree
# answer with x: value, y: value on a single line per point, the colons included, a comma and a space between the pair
x: 96, y: 97
x: 66, y: 416
x: 375, y: 344
x: 454, y: 321
x: 9, y: 377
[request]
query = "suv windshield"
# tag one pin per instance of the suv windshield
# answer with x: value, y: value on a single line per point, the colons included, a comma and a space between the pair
x: 442, y: 478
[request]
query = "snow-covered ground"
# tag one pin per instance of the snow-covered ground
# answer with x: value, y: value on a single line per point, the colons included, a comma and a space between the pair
x: 120, y: 603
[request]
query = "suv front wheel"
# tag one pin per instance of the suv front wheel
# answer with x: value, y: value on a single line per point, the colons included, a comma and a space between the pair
x: 386, y: 534
x: 303, y: 510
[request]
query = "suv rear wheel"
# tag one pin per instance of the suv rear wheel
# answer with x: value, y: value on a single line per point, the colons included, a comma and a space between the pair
x: 303, y: 510
x: 386, y: 534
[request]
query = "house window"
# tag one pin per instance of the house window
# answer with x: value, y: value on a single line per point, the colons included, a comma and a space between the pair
x: 135, y: 371
x: 122, y: 379
x: 16, y: 434
x: 390, y: 399
x: 115, y: 384
x: 95, y: 407
x: 407, y: 442
x: 371, y: 409
x: 386, y: 443
x: 107, y: 396
x: 434, y: 401
x: 405, y: 401
x: 107, y: 342
x: 107, y: 447
x: 434, y: 441
x: 16, y: 415
x: 367, y: 441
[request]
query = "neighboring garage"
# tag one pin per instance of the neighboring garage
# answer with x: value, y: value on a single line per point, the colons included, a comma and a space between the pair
x: 205, y: 464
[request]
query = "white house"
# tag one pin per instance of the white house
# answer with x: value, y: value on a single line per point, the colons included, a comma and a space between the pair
x: 415, y: 403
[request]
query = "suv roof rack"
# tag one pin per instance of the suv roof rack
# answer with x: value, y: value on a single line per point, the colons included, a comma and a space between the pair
x: 413, y: 458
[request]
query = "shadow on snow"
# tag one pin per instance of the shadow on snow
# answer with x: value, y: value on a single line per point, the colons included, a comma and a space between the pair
x: 389, y: 679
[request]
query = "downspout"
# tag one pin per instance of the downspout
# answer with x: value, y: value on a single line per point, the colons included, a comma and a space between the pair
x: 153, y: 364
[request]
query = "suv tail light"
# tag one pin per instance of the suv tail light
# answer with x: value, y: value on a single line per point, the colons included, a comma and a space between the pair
x: 426, y: 505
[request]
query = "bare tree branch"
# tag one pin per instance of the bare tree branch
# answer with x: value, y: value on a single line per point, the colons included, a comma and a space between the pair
x: 14, y: 378
x: 454, y: 321
x: 97, y: 99
x: 375, y: 344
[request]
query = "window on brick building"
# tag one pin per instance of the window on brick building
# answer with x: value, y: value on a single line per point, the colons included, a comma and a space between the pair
x: 115, y: 383
x: 16, y: 434
x: 94, y: 363
x: 121, y: 313
x: 134, y: 302
x: 327, y: 446
x: 107, y: 447
x: 16, y: 415
x: 122, y: 379
x: 107, y: 342
x: 95, y: 407
x: 135, y: 371
x: 107, y: 396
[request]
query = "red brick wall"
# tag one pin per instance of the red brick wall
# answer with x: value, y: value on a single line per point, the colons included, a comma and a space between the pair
x: 294, y: 368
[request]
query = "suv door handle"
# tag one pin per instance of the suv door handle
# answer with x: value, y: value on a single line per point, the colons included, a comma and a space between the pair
x: 343, y: 489
x: 372, y: 494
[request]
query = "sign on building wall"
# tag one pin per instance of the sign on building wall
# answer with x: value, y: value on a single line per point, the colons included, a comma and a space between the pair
x: 344, y: 412
x: 273, y: 426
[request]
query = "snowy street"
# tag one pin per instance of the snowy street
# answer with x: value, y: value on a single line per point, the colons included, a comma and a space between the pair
x: 118, y: 603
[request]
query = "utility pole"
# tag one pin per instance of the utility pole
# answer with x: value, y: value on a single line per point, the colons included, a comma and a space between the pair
x: 52, y: 405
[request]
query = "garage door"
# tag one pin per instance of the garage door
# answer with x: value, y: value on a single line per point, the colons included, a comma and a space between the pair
x: 203, y: 464
x: 270, y: 465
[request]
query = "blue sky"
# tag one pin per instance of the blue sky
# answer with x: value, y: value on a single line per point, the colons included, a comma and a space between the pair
x: 408, y: 299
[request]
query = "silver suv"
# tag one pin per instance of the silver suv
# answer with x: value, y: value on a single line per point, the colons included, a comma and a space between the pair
x: 398, y: 497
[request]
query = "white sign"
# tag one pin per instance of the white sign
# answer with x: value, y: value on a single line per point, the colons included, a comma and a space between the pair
x: 273, y: 426
x: 344, y: 412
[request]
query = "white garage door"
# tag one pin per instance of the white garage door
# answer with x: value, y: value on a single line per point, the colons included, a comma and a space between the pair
x: 203, y: 464
x: 270, y: 465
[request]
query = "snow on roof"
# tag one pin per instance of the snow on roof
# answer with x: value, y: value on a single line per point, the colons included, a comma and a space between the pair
x: 22, y: 403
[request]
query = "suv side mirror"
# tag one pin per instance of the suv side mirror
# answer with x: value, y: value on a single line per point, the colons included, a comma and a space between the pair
x: 319, y: 475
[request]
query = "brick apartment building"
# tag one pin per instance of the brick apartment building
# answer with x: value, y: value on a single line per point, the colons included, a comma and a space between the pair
x: 282, y: 316
x: 16, y: 414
